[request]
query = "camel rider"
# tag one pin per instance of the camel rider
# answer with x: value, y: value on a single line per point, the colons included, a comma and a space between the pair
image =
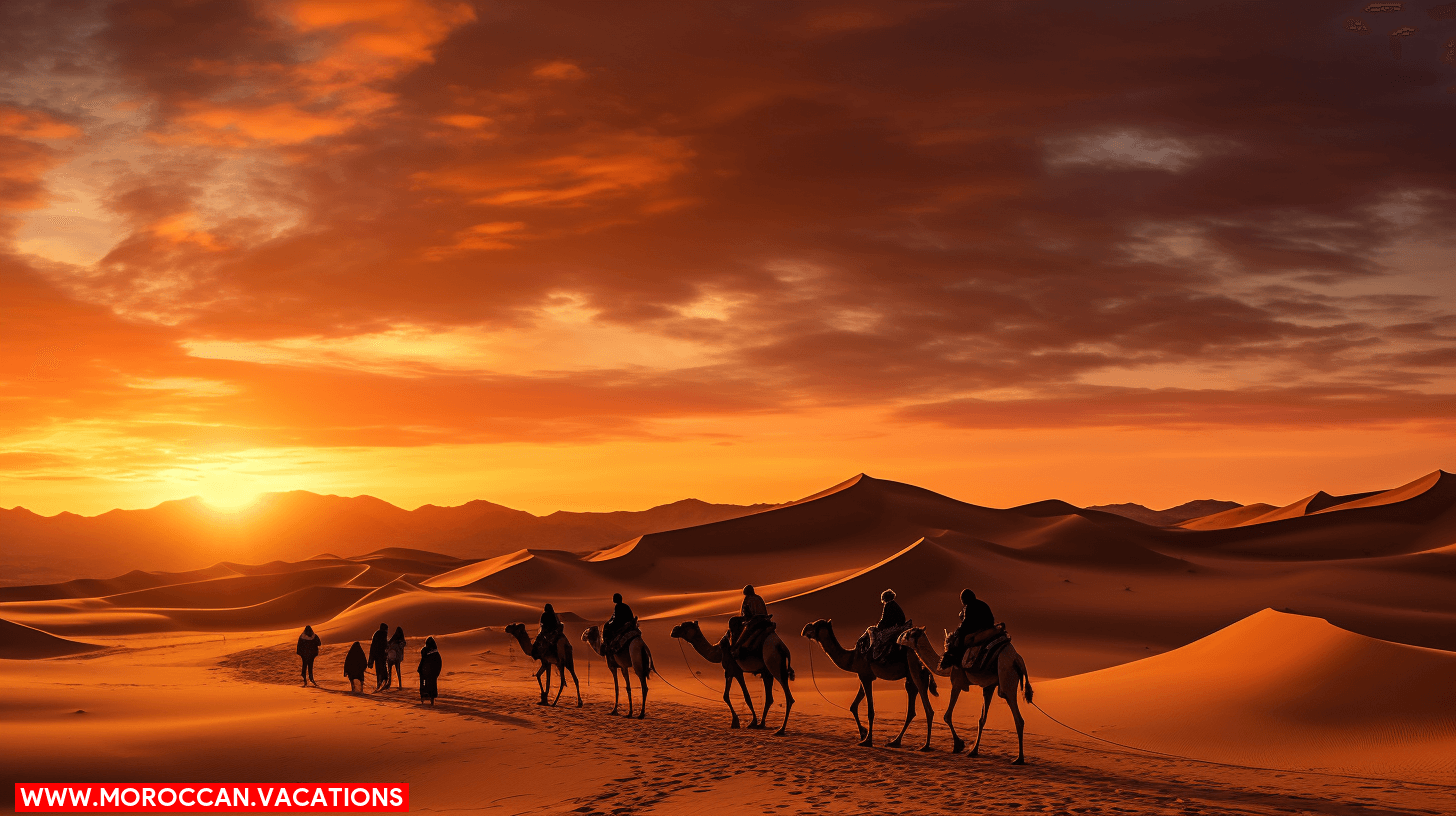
x: 550, y: 630
x: 621, y: 619
x: 976, y: 618
x: 754, y: 610
x: 892, y: 615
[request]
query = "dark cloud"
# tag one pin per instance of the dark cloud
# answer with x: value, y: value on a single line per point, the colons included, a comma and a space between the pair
x: 887, y: 204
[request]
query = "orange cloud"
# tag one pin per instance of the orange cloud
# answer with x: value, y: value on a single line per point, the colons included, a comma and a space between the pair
x: 390, y: 226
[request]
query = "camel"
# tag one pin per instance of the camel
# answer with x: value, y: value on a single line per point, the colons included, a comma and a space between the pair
x: 772, y: 664
x: 918, y: 680
x: 1010, y: 671
x: 636, y: 658
x: 561, y: 659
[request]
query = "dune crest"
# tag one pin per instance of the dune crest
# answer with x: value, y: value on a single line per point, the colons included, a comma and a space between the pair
x: 21, y: 642
x: 1278, y: 689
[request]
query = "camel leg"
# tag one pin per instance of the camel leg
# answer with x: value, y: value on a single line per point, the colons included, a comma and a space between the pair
x: 866, y: 693
x: 958, y: 744
x: 909, y: 713
x: 728, y: 698
x: 571, y: 667
x: 642, y: 671
x: 543, y: 687
x: 627, y: 681
x: 616, y: 692
x: 767, y: 697
x: 748, y: 698
x: 561, y: 675
x: 981, y: 728
x: 929, y: 716
x: 1010, y: 697
x: 854, y: 709
x: 781, y: 674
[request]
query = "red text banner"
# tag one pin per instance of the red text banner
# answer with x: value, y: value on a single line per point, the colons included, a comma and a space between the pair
x: 205, y: 797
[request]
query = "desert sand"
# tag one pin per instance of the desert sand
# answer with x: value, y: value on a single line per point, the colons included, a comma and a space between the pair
x: 1302, y: 663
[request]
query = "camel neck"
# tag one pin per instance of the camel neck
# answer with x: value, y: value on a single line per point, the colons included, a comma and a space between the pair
x: 928, y: 655
x: 827, y: 639
x: 710, y: 651
x: 524, y: 641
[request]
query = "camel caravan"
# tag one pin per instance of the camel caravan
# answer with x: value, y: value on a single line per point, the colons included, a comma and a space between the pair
x: 978, y: 653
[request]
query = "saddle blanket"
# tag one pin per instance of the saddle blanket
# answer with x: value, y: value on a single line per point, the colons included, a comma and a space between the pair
x: 757, y: 631
x: 880, y: 644
x: 623, y: 639
x: 981, y: 657
x: 544, y: 644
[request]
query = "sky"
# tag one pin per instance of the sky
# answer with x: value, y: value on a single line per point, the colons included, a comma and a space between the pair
x: 590, y: 256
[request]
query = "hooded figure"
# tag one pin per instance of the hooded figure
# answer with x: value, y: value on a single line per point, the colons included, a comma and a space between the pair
x: 354, y: 665
x: 308, y: 649
x: 976, y: 617
x: 379, y: 657
x: 550, y: 624
x: 429, y: 670
x: 394, y: 654
x: 622, y: 618
x: 753, y: 609
x: 893, y: 614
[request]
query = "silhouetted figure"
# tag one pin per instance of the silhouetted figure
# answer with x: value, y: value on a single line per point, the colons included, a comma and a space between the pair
x: 429, y: 670
x: 550, y: 631
x: 976, y: 618
x: 379, y: 657
x: 621, y: 619
x: 354, y: 665
x: 754, y: 611
x: 892, y: 615
x: 308, y: 649
x: 394, y: 655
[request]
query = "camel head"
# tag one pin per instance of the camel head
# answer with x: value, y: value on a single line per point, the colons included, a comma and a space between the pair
x: 686, y: 629
x: 590, y: 635
x: 516, y: 630
x: 812, y: 630
x: 909, y: 636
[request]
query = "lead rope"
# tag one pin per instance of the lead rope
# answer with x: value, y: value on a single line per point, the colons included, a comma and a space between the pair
x: 678, y: 690
x: 689, y: 666
x: 815, y: 680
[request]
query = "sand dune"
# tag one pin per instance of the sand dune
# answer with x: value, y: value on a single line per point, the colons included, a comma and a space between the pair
x: 1282, y: 690
x: 1415, y: 517
x: 1082, y: 589
x: 1119, y: 612
x: 21, y: 642
x: 1171, y: 517
x: 102, y: 587
x: 1229, y: 518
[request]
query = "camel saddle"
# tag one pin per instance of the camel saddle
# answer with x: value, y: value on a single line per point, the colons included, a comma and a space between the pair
x: 624, y: 638
x: 755, y: 632
x: 545, y: 643
x: 879, y: 644
x: 984, y: 648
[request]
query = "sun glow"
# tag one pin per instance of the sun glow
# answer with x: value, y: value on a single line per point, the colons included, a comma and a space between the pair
x: 230, y: 502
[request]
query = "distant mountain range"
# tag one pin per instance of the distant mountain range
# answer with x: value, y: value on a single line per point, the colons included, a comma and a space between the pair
x: 187, y: 534
x: 1171, y: 517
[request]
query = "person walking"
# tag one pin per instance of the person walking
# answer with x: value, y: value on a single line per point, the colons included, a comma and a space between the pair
x: 394, y: 656
x: 308, y: 649
x: 429, y: 670
x: 354, y: 665
x: 379, y: 657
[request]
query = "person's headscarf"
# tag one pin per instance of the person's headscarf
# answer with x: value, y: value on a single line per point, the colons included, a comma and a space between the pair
x: 429, y: 646
x: 308, y: 631
x: 398, y: 634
